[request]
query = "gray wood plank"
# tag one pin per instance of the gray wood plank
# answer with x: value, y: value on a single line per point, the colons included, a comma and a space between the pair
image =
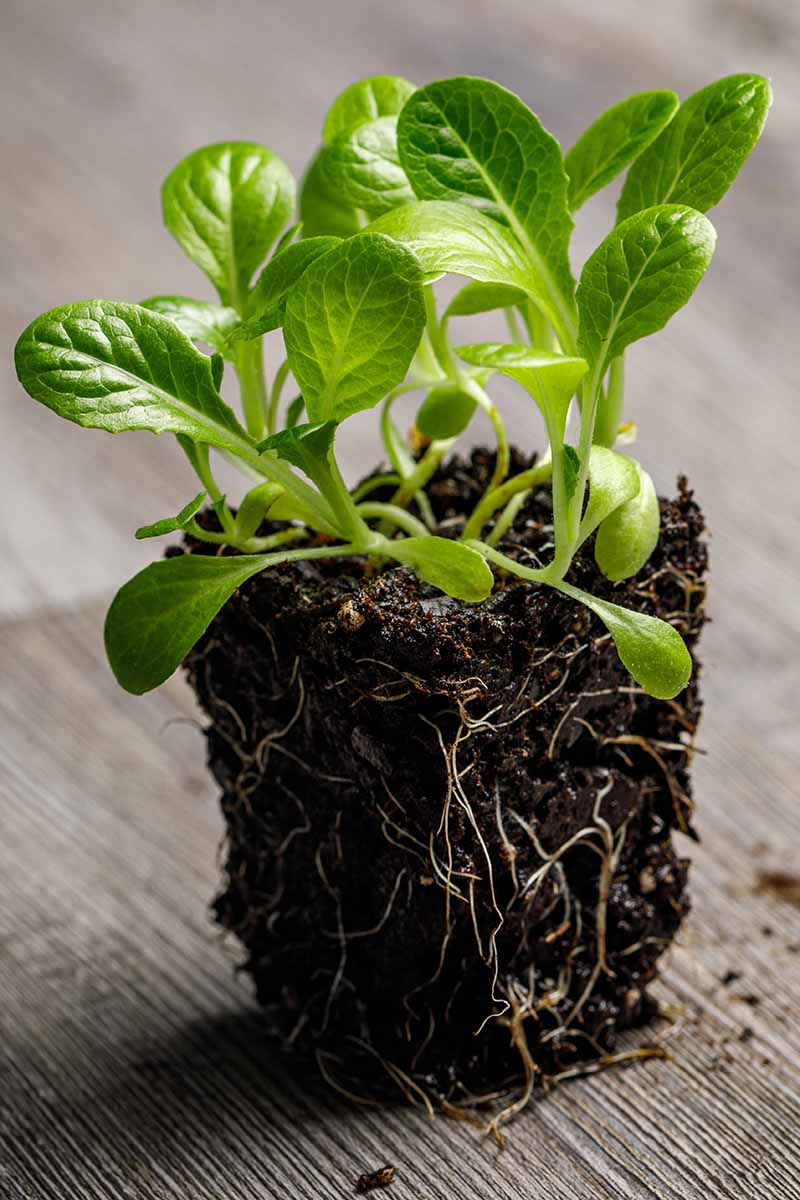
x: 131, y: 1062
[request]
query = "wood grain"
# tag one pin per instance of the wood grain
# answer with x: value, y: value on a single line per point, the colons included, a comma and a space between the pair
x: 131, y: 1063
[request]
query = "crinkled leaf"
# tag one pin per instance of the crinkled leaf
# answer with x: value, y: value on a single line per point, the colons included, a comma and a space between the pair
x: 323, y: 212
x: 551, y: 379
x: 629, y: 535
x: 267, y: 303
x: 642, y: 273
x: 445, y: 412
x: 653, y: 652
x: 364, y: 101
x: 452, y: 238
x: 172, y: 524
x: 353, y: 323
x: 363, y: 169
x: 456, y: 569
x: 613, y: 480
x: 226, y: 204
x: 254, y: 507
x: 615, y: 139
x: 484, y: 297
x: 157, y: 617
x: 473, y: 141
x: 699, y: 154
x: 201, y: 320
x: 114, y: 366
x: 570, y: 467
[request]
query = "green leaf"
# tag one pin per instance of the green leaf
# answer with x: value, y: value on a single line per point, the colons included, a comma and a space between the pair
x: 157, y: 617
x: 451, y: 238
x: 473, y: 141
x: 484, y: 297
x: 294, y: 411
x: 353, y: 323
x: 305, y: 446
x: 363, y: 168
x: 551, y: 379
x: 629, y: 535
x: 699, y: 154
x: 322, y: 211
x: 114, y: 366
x: 613, y: 480
x: 172, y: 524
x: 653, y: 652
x: 254, y: 507
x: 614, y: 140
x: 267, y: 303
x: 456, y: 569
x: 644, y: 271
x: 226, y: 204
x: 445, y: 412
x: 287, y: 237
x: 571, y: 465
x: 200, y: 320
x: 364, y: 101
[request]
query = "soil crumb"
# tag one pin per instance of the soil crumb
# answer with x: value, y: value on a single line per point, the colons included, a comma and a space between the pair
x: 371, y: 1180
x: 783, y: 885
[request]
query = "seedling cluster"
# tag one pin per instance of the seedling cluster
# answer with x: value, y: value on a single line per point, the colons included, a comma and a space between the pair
x: 458, y: 177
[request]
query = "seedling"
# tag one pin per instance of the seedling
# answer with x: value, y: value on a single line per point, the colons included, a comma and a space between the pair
x: 458, y: 177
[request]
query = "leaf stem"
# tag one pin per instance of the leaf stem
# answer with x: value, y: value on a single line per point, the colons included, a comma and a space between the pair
x: 281, y: 376
x: 250, y: 370
x: 609, y: 412
x: 396, y: 516
x: 481, y: 397
x: 491, y: 501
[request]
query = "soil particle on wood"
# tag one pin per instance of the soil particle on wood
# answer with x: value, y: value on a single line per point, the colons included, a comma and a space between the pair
x: 371, y: 1180
x: 783, y: 885
x: 449, y: 853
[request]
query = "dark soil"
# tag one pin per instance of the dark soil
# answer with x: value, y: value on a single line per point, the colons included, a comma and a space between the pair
x: 449, y: 853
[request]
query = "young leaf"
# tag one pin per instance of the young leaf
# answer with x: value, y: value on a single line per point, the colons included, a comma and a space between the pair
x: 114, y: 366
x: 200, y: 320
x: 644, y: 271
x: 628, y: 536
x: 172, y: 524
x: 484, y: 297
x: 226, y: 204
x: 452, y: 238
x: 287, y: 237
x: 653, y: 652
x: 267, y: 303
x: 363, y: 168
x: 699, y: 154
x: 551, y: 379
x: 445, y: 412
x: 353, y: 323
x: 322, y: 211
x: 471, y: 140
x: 304, y: 446
x: 364, y: 101
x: 254, y: 507
x: 613, y: 480
x: 614, y: 140
x: 156, y: 617
x: 456, y: 569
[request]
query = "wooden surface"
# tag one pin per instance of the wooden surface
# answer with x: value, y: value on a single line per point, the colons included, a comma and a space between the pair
x: 131, y: 1065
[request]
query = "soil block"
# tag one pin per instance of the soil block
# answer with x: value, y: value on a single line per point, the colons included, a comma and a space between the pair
x: 449, y: 828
